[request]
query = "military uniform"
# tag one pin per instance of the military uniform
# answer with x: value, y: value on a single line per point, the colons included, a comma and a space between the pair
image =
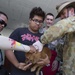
x: 65, y: 27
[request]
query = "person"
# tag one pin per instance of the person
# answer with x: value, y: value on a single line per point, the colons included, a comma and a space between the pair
x: 3, y: 24
x: 53, y: 67
x: 49, y: 19
x: 26, y: 36
x: 63, y: 27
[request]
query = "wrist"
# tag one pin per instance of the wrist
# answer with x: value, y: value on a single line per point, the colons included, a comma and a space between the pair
x: 38, y: 45
x: 16, y: 65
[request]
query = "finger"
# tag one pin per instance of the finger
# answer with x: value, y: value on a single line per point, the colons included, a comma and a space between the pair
x: 41, y: 60
x: 46, y: 55
x: 25, y: 67
x: 39, y: 63
x: 21, y: 65
x: 53, y: 68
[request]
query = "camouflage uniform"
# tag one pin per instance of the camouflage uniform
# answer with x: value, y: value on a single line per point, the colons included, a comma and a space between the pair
x: 65, y: 27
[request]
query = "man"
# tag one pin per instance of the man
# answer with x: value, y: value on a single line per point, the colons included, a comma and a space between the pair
x: 52, y: 68
x: 49, y: 19
x: 3, y: 24
x: 26, y: 36
x: 61, y: 28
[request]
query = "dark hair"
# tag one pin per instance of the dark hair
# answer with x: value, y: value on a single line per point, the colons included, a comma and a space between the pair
x: 3, y: 14
x: 37, y: 11
x: 50, y: 14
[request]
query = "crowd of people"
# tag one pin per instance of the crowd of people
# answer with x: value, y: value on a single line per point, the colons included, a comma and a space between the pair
x: 59, y: 38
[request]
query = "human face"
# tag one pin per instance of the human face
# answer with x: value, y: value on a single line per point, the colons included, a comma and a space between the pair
x: 3, y: 21
x: 63, y: 13
x: 49, y: 20
x: 35, y: 23
x: 67, y: 12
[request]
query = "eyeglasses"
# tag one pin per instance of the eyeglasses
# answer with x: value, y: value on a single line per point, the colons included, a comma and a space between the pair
x: 2, y: 22
x: 37, y: 21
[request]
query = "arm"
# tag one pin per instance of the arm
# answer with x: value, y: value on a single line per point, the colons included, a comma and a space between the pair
x: 7, y: 43
x: 11, y: 57
x: 56, y: 31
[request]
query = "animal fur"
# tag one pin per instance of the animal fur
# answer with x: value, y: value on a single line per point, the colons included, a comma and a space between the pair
x: 35, y: 57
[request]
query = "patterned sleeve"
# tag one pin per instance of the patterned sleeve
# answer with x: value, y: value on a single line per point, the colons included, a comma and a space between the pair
x: 58, y: 30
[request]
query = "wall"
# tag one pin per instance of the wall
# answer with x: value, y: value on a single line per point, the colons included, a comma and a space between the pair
x: 6, y: 32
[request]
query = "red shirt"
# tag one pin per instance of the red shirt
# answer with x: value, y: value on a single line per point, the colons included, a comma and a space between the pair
x: 47, y: 69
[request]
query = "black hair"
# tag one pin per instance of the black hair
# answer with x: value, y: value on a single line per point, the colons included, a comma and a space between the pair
x: 37, y: 11
x: 3, y: 14
x: 50, y: 14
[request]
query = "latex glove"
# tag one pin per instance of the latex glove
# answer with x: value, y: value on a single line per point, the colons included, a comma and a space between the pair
x: 38, y: 45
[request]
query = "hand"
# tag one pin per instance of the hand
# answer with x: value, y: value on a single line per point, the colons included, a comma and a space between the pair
x: 38, y: 45
x: 23, y: 66
x: 32, y: 49
x: 54, y: 65
x: 44, y: 61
